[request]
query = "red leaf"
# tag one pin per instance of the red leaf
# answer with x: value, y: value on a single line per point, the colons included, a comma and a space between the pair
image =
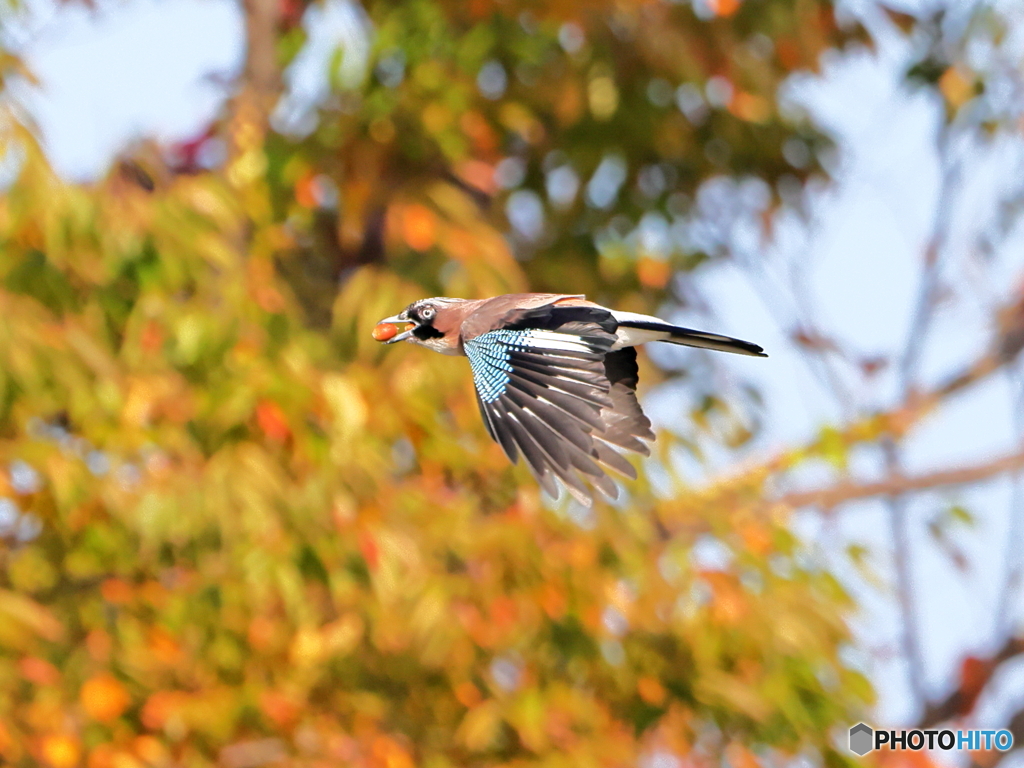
x: 273, y: 421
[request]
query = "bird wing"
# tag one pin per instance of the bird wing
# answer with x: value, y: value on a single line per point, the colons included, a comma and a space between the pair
x: 561, y: 397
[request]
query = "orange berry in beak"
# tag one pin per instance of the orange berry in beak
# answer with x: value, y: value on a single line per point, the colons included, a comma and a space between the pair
x: 385, y: 331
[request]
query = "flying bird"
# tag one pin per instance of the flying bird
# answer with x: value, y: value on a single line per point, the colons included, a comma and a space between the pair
x: 555, y: 377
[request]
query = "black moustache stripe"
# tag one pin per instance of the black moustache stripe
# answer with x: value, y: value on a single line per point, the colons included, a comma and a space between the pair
x: 424, y: 332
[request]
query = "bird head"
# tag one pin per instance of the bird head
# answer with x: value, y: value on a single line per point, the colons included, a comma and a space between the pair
x: 434, y: 323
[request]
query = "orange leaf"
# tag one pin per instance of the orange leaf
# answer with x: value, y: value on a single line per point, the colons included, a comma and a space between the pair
x: 750, y: 107
x: 6, y: 743
x: 163, y: 646
x: 305, y: 191
x: 116, y: 591
x: 99, y: 644
x: 553, y: 601
x: 61, y: 750
x: 653, y: 273
x: 152, y: 338
x: 757, y: 537
x: 476, y: 127
x: 102, y: 756
x: 741, y: 757
x: 503, y: 611
x: 262, y: 633
x: 724, y: 7
x: 279, y: 708
x: 651, y: 691
x: 272, y: 421
x: 161, y: 706
x: 104, y: 698
x: 788, y: 52
x: 151, y: 749
x: 419, y: 227
x: 478, y: 174
x: 38, y: 671
x: 369, y: 550
x: 467, y: 694
x: 729, y: 604
x: 390, y: 754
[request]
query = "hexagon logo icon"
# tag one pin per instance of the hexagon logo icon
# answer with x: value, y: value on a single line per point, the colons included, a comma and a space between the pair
x: 861, y: 738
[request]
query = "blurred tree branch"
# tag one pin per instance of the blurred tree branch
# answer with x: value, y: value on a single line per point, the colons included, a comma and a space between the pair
x: 845, y: 491
x: 975, y: 674
x: 906, y: 371
x: 993, y: 757
x: 258, y: 89
x: 1005, y: 348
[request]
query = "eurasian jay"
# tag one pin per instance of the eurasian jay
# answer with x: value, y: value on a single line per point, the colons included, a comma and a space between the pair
x: 555, y: 377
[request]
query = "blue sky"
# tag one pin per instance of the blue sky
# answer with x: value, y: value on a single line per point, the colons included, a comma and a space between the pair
x: 126, y: 71
x: 850, y: 262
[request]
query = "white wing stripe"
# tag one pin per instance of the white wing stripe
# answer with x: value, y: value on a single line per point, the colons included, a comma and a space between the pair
x: 555, y: 341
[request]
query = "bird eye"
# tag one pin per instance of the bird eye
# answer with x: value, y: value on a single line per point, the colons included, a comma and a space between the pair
x: 427, y: 313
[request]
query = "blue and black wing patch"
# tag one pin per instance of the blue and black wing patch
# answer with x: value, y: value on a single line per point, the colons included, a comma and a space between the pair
x: 563, y: 400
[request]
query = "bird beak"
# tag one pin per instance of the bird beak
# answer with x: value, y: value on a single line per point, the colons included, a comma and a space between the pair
x: 399, y: 319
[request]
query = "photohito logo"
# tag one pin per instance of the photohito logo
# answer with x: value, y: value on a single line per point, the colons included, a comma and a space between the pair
x: 864, y: 738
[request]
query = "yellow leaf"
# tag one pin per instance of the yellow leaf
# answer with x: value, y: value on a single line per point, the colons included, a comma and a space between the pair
x: 717, y: 687
x: 956, y: 87
x: 343, y: 635
x: 308, y: 647
x: 480, y: 726
x: 346, y: 402
x: 603, y: 96
x: 23, y: 610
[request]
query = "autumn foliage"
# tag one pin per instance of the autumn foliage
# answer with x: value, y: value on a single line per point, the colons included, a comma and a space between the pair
x: 238, y: 531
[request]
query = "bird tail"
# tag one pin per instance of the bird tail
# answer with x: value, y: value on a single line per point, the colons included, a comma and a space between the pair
x: 652, y: 330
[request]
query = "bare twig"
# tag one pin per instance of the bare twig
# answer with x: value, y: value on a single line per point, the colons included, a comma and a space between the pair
x: 899, y: 484
x: 898, y: 526
x: 923, y: 314
x: 1011, y: 581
